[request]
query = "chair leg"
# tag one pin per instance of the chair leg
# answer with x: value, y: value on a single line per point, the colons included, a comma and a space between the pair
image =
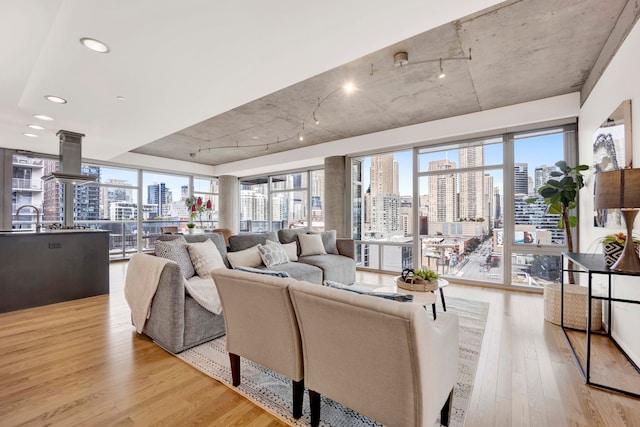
x: 235, y: 369
x: 298, y: 396
x: 445, y: 412
x: 314, y: 400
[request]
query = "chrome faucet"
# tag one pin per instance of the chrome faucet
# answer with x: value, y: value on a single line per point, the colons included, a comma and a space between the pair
x: 37, y: 215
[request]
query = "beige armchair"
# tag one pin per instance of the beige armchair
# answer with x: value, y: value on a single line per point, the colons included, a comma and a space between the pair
x: 261, y: 326
x: 386, y: 360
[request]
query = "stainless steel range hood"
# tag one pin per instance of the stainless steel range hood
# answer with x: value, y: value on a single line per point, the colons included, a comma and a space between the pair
x: 70, y: 161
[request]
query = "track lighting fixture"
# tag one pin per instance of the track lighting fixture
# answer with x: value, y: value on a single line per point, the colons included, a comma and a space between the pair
x: 400, y: 60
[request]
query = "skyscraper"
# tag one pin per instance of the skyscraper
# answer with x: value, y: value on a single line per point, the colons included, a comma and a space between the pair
x: 542, y: 174
x: 157, y: 195
x: 471, y: 183
x: 385, y: 197
x: 442, y: 192
x: 521, y: 178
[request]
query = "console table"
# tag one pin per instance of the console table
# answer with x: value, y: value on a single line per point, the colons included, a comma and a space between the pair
x: 591, y: 264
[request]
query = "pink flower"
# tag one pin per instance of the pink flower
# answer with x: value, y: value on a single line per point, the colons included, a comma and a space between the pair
x: 209, y: 204
x: 193, y: 208
x: 199, y: 201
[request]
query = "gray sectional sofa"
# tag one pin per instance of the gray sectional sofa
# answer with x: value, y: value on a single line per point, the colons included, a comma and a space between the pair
x: 177, y: 322
x: 337, y: 265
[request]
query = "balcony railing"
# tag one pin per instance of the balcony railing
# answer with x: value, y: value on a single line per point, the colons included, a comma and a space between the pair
x: 26, y: 184
x: 28, y: 162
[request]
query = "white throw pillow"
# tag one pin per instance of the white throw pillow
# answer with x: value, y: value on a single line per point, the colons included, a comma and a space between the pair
x: 205, y: 257
x: 246, y: 258
x: 311, y: 244
x: 290, y: 248
x: 273, y: 255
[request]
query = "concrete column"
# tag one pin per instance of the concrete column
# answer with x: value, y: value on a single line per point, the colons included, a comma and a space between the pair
x: 229, y: 203
x: 335, y: 195
x: 6, y: 172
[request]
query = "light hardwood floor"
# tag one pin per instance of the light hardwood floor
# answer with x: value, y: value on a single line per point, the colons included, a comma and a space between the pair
x: 81, y: 363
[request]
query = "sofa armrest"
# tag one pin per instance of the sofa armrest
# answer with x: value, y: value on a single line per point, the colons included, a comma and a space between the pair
x: 165, y: 325
x: 346, y: 247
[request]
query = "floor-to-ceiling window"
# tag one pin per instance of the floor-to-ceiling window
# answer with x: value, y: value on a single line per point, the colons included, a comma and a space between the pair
x: 460, y: 205
x: 474, y: 215
x: 382, y: 214
x: 282, y: 201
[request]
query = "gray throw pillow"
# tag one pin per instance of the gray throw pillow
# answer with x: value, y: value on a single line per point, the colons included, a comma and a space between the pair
x: 386, y: 295
x: 265, y: 272
x: 176, y: 250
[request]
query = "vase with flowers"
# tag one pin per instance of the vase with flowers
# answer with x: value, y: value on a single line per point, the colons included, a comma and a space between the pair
x: 612, y: 246
x: 197, y: 207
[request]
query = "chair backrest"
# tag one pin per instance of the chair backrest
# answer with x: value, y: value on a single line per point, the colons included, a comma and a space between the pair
x: 260, y: 322
x: 226, y: 232
x: 375, y: 356
x: 169, y: 229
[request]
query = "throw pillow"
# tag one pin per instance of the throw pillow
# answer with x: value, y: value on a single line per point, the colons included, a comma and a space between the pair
x: 311, y: 244
x: 205, y: 257
x: 329, y: 241
x: 290, y: 248
x: 265, y: 272
x: 386, y: 295
x: 273, y: 255
x: 246, y: 258
x: 176, y: 250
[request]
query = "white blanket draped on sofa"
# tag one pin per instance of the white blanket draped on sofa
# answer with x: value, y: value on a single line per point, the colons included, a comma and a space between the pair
x: 143, y: 274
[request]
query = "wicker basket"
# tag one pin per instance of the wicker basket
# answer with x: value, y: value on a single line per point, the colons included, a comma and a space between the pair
x: 416, y: 284
x: 575, y: 307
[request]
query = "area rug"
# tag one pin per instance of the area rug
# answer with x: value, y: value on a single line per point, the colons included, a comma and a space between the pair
x: 272, y: 391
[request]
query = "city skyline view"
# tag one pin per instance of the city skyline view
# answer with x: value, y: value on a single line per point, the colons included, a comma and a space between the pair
x: 535, y: 151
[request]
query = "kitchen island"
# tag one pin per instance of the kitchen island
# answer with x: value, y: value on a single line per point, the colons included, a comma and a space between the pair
x: 39, y: 268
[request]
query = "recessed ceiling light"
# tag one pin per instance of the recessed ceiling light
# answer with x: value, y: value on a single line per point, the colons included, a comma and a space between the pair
x: 42, y: 117
x: 255, y: 137
x: 30, y: 135
x: 55, y: 99
x: 349, y: 87
x: 36, y: 127
x: 121, y: 98
x: 95, y: 45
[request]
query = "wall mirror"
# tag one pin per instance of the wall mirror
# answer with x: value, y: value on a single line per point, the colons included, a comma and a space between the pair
x: 612, y: 149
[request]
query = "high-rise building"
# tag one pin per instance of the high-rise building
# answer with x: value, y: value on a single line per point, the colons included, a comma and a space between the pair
x: 157, y: 195
x: 384, y: 199
x: 541, y: 176
x: 471, y: 202
x: 488, y: 200
x: 521, y: 178
x: 442, y: 192
x: 384, y: 175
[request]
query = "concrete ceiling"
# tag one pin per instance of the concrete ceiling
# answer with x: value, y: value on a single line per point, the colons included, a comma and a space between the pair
x: 201, y: 75
x: 521, y: 51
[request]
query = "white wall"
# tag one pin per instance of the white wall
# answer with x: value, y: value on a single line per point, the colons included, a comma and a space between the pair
x: 620, y: 81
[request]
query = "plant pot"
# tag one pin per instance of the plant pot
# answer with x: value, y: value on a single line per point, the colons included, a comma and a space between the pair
x: 190, y: 230
x: 416, y: 284
x: 612, y: 252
